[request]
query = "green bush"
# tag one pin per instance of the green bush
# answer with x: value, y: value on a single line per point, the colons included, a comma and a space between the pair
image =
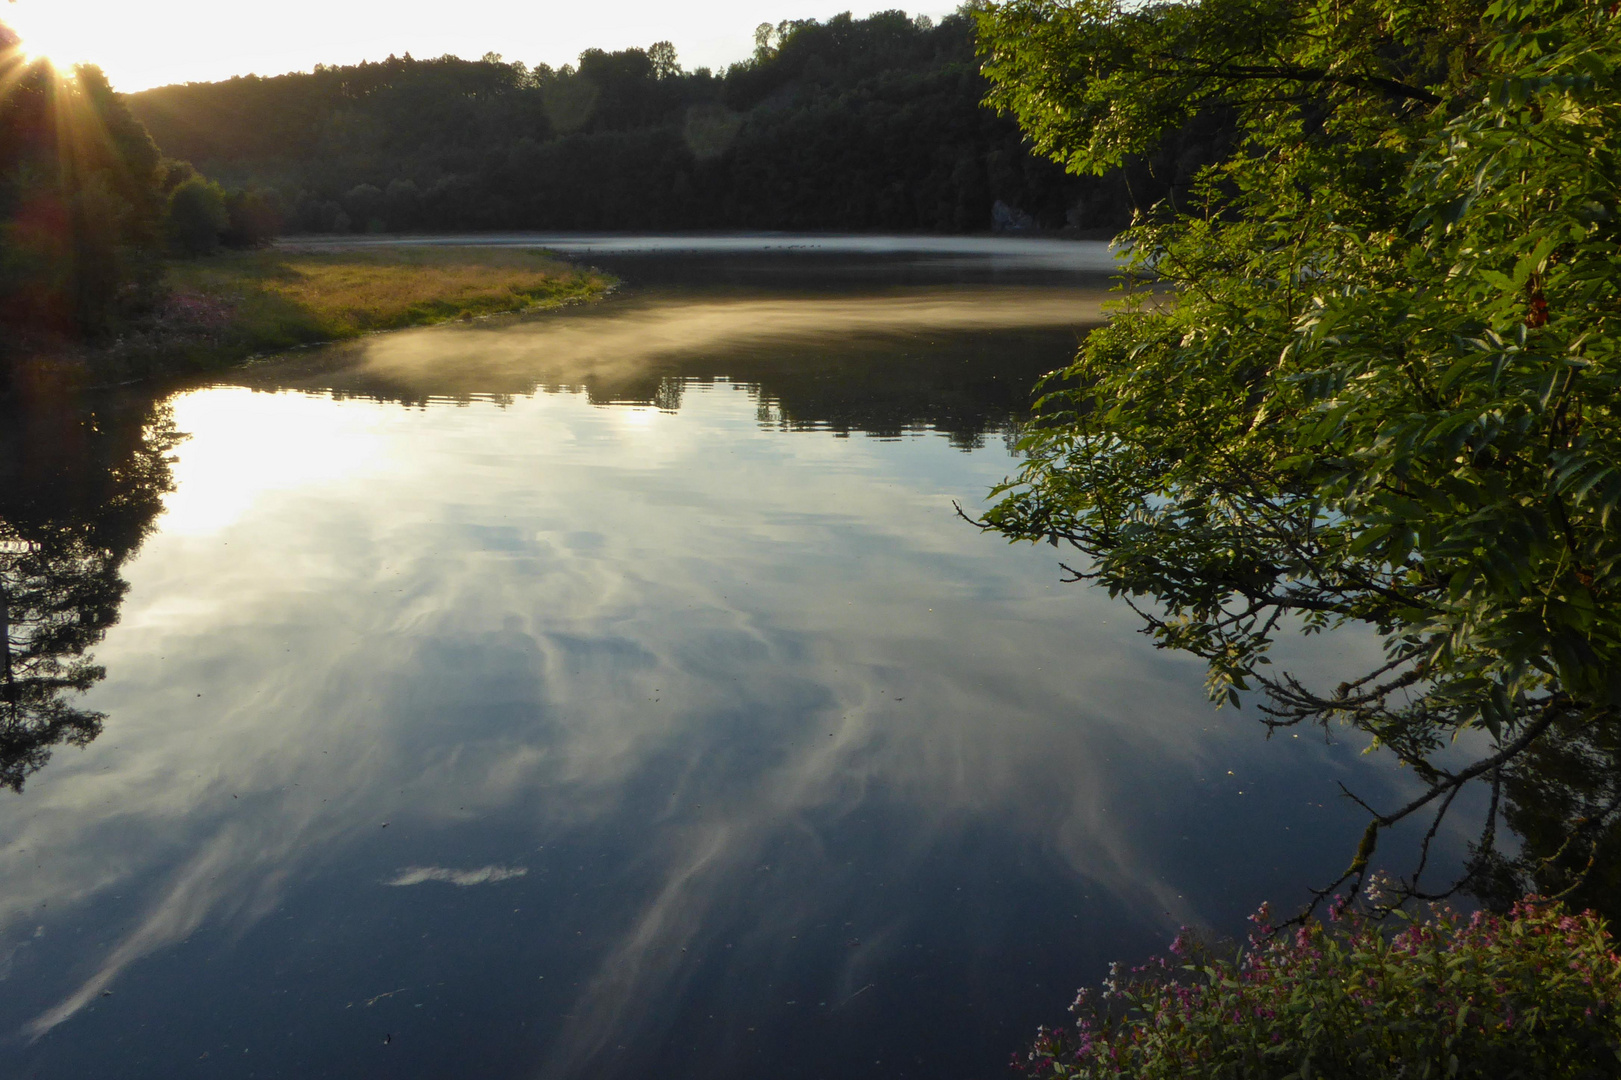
x: 1530, y: 995
x: 255, y: 216
x: 197, y: 216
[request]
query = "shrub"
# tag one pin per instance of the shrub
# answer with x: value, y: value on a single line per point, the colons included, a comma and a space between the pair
x: 1532, y: 994
x: 313, y: 215
x: 255, y: 218
x: 173, y: 172
x: 364, y: 205
x: 197, y: 216
x: 402, y: 205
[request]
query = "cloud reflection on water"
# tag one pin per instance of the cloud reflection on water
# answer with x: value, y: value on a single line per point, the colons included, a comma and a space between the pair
x: 484, y: 875
x: 430, y: 658
x: 715, y: 645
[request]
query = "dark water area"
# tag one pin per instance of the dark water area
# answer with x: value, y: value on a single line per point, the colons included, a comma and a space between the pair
x: 610, y: 692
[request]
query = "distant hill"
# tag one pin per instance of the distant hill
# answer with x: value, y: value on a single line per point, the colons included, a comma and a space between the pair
x: 848, y: 124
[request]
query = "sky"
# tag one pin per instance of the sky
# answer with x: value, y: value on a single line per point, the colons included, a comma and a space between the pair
x: 155, y: 42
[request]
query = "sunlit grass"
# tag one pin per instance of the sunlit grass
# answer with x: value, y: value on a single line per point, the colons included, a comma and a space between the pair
x: 242, y: 303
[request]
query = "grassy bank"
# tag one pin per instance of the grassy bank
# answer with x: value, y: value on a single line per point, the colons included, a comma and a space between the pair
x: 231, y: 306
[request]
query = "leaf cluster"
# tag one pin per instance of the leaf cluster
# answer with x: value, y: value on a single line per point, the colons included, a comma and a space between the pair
x: 1371, y: 376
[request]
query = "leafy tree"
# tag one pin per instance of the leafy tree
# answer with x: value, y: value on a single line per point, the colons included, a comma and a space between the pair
x: 173, y: 173
x: 364, y: 205
x: 402, y: 205
x: 661, y: 54
x: 254, y: 217
x: 80, y: 206
x: 197, y: 216
x: 1381, y: 391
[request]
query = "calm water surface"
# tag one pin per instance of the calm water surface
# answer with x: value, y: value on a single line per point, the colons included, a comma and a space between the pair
x: 616, y: 693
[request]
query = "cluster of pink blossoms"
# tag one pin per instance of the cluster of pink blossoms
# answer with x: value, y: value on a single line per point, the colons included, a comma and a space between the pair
x: 1535, y: 992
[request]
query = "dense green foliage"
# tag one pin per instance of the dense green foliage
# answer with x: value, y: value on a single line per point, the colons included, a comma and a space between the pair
x: 871, y: 123
x: 1384, y: 389
x: 80, y: 207
x: 1531, y: 995
x: 197, y: 216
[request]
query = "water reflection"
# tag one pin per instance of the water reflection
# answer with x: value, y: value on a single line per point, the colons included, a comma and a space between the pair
x: 716, y: 692
x: 895, y: 254
x: 1563, y: 801
x: 960, y: 360
x: 536, y: 736
x: 79, y: 489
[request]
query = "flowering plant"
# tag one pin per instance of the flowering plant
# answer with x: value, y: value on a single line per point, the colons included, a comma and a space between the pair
x: 1533, y: 994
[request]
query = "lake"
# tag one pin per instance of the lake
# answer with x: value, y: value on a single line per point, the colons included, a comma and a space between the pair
x: 611, y: 692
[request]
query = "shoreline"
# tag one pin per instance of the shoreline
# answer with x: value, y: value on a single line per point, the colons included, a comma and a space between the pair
x: 238, y: 307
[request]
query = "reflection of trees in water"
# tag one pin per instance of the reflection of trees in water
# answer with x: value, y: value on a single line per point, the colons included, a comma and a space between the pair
x: 963, y: 384
x: 1563, y: 799
x: 79, y: 491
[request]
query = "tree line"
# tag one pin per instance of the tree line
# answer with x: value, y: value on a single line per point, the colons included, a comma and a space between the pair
x: 873, y: 123
x: 849, y: 124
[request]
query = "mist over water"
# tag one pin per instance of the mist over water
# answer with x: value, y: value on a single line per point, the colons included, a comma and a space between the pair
x: 617, y: 692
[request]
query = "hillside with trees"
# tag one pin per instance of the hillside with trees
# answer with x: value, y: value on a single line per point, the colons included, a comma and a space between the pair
x: 872, y: 123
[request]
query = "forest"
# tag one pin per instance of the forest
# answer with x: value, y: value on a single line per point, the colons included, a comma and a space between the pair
x: 874, y: 123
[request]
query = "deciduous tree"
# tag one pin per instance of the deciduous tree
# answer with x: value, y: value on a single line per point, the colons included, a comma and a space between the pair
x: 1381, y: 389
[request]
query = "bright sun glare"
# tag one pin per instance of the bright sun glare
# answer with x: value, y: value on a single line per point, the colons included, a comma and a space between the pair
x: 47, y: 33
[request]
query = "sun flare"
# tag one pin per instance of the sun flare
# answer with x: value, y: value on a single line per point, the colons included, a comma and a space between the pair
x: 47, y: 33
